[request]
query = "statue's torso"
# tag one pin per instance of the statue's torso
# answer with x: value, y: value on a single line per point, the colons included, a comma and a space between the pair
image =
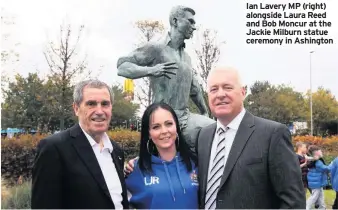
x: 174, y: 91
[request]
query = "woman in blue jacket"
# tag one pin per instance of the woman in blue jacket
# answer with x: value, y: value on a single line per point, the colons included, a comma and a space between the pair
x: 164, y: 177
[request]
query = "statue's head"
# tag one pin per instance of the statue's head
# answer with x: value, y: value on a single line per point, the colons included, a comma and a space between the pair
x: 182, y: 19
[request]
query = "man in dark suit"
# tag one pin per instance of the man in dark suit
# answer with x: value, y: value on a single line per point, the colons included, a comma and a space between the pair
x: 244, y: 161
x: 81, y: 168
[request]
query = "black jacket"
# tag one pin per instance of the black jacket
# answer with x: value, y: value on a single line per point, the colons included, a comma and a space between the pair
x: 67, y: 175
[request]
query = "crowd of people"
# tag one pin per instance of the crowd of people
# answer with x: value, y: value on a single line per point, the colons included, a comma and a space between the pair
x: 317, y: 175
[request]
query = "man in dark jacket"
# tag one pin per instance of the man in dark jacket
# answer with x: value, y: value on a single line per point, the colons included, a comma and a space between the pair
x: 81, y: 168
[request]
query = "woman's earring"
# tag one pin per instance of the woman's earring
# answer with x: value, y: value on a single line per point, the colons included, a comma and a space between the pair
x: 148, y: 146
x: 178, y: 140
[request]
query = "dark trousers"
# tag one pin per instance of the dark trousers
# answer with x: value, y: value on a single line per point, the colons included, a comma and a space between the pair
x: 335, y: 204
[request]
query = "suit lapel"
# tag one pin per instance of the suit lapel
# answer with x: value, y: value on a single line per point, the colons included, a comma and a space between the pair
x: 118, y: 162
x: 118, y: 159
x: 242, y: 136
x: 86, y: 153
x: 206, y: 138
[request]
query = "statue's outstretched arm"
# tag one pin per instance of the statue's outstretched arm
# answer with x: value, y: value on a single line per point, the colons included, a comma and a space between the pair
x: 140, y: 63
x: 136, y: 64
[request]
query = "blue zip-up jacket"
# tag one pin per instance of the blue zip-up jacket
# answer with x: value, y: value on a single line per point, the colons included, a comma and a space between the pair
x: 170, y: 186
x: 334, y: 174
x: 317, y: 176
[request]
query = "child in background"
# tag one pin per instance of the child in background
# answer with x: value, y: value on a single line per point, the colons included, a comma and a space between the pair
x: 304, y: 160
x: 317, y: 178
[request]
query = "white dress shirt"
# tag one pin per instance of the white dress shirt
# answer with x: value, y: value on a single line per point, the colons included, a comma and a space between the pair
x: 229, y: 138
x: 108, y: 168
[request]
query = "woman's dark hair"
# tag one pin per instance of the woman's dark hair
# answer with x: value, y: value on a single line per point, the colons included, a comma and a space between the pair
x: 144, y: 161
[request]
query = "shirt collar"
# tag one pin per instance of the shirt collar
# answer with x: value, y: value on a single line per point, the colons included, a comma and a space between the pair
x: 167, y: 40
x: 106, y: 141
x: 234, y: 124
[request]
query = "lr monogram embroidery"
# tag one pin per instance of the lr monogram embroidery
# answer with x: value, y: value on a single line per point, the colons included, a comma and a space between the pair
x: 152, y: 180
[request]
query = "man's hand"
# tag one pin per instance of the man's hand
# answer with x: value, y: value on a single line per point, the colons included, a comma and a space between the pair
x: 163, y: 69
x: 129, y: 167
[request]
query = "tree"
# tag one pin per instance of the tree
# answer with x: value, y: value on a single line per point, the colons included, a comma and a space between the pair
x: 29, y: 103
x: 289, y: 105
x: 65, y: 68
x: 260, y: 101
x: 149, y: 29
x: 123, y: 110
x: 23, y: 103
x: 330, y: 128
x: 208, y: 53
x: 53, y: 92
x: 279, y: 103
x: 324, y: 109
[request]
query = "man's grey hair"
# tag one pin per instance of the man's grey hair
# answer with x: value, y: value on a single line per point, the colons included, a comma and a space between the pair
x: 179, y: 11
x: 228, y: 69
x: 78, y: 90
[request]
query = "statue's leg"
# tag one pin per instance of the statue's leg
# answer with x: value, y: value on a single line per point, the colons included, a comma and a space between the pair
x: 194, y: 124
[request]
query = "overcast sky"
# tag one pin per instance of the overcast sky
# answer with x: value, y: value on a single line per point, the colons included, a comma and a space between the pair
x: 109, y: 33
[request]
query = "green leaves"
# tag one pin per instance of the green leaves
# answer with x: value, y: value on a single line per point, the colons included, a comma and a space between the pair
x: 122, y: 109
x: 283, y: 104
x: 280, y: 103
x: 325, y: 108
